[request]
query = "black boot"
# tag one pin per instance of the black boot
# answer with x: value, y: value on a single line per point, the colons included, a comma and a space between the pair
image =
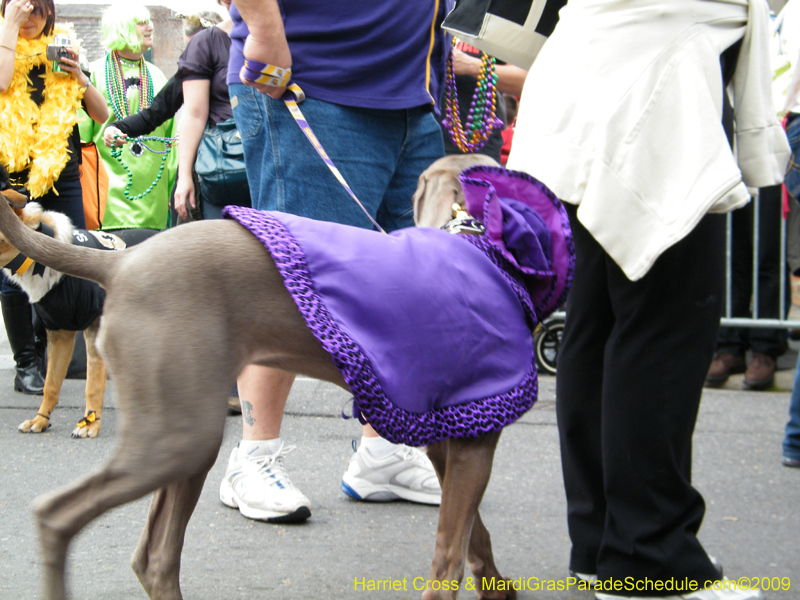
x: 19, y: 328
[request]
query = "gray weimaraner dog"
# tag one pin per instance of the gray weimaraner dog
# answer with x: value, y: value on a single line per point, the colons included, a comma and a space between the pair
x: 172, y: 378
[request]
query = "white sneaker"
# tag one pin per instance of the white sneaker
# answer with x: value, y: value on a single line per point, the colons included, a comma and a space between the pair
x: 260, y: 488
x: 721, y: 594
x: 592, y: 578
x: 405, y: 474
x: 584, y: 577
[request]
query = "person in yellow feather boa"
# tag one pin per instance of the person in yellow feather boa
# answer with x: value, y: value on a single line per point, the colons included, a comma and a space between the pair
x: 39, y: 143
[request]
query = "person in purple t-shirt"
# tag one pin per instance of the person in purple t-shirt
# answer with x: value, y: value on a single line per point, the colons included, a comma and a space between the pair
x: 371, y: 71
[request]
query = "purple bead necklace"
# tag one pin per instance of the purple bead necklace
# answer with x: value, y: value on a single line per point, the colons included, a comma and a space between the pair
x: 482, y: 118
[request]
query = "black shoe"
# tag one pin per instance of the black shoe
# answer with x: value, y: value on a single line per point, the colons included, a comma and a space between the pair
x: 234, y: 406
x: 791, y: 462
x: 17, y: 318
x: 760, y: 374
x: 29, y: 381
x: 723, y: 366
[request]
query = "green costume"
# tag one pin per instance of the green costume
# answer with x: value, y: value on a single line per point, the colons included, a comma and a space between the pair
x: 151, y: 211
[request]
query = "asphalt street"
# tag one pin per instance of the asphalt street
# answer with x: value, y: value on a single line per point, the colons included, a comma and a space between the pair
x: 752, y: 524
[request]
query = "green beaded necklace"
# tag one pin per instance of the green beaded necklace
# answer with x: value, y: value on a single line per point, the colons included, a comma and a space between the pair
x: 115, y: 85
x: 118, y: 98
x: 116, y: 152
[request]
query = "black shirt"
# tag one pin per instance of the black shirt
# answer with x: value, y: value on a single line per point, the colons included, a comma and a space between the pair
x: 71, y: 171
x: 206, y: 57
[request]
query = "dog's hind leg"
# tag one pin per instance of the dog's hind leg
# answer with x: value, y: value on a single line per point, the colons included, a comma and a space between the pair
x: 96, y: 377
x: 156, y: 560
x: 147, y: 459
x: 464, y: 467
x: 60, y: 344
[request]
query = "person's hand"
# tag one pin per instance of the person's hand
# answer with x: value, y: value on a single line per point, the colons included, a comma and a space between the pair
x: 184, y: 192
x: 113, y: 136
x: 17, y: 12
x: 276, y: 54
x: 72, y: 65
x: 464, y: 64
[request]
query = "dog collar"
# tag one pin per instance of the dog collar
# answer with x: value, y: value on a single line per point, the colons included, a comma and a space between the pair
x: 21, y: 263
x: 462, y: 222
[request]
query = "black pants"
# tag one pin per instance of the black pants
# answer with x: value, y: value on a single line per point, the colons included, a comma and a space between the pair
x: 737, y: 340
x: 631, y: 368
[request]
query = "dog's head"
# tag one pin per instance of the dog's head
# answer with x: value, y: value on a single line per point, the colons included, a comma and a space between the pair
x: 28, y: 214
x: 439, y: 188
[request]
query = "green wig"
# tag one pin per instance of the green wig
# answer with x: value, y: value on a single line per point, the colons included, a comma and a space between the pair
x: 119, y: 29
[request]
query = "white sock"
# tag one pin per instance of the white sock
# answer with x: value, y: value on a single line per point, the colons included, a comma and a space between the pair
x: 259, y: 447
x: 378, y: 446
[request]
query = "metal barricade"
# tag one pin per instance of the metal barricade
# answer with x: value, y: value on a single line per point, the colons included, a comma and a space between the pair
x: 783, y: 322
x: 547, y: 337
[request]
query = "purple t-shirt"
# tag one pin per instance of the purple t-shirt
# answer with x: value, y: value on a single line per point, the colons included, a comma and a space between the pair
x: 364, y: 53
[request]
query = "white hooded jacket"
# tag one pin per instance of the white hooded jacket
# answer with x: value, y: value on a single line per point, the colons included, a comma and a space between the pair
x: 621, y: 114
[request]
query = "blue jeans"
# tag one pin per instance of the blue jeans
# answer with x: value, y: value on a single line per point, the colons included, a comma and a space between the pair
x: 792, y: 177
x: 791, y: 443
x: 380, y: 153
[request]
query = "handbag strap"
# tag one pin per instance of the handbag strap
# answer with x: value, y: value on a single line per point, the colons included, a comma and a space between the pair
x: 294, y: 96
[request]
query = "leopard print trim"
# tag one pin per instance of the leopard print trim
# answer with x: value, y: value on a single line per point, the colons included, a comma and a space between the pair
x: 467, y: 420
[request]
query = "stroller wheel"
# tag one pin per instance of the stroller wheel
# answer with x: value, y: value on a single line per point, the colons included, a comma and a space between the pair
x: 546, y: 343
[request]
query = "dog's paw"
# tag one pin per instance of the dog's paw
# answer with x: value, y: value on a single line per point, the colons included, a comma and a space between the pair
x: 88, y: 426
x: 89, y: 431
x: 37, y: 425
x: 441, y: 590
x: 438, y: 595
x: 496, y: 592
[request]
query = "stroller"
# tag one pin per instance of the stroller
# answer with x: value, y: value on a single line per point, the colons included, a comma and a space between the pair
x: 546, y: 342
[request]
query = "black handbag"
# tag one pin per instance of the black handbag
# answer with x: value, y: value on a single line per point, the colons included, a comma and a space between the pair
x: 220, y: 166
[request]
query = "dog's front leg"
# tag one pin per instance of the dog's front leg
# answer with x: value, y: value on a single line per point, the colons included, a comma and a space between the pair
x: 464, y: 472
x: 89, y: 426
x: 60, y: 344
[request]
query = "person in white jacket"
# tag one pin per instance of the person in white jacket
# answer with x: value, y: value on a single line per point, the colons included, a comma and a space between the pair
x: 624, y: 115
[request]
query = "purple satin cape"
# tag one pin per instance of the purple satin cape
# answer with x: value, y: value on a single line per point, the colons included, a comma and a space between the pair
x: 431, y: 331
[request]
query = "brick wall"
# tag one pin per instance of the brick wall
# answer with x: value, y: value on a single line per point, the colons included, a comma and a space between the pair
x: 168, y: 33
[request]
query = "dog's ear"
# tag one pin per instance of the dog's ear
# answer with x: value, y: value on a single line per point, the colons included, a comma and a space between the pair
x: 434, y: 206
x: 419, y: 198
x: 16, y: 200
x: 5, y: 180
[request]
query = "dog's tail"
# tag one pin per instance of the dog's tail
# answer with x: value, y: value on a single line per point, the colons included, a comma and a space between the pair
x: 87, y: 263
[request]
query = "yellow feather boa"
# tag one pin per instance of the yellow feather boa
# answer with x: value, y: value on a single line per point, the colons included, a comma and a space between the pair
x: 33, y: 136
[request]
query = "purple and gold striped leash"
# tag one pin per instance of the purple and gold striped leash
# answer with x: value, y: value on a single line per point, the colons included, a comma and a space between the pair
x: 271, y: 75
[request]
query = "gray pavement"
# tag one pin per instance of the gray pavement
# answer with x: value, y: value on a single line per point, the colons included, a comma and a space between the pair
x: 752, y: 523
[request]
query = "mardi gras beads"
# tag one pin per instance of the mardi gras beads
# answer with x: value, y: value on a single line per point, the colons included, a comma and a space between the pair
x: 116, y: 153
x: 482, y: 118
x: 115, y: 85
